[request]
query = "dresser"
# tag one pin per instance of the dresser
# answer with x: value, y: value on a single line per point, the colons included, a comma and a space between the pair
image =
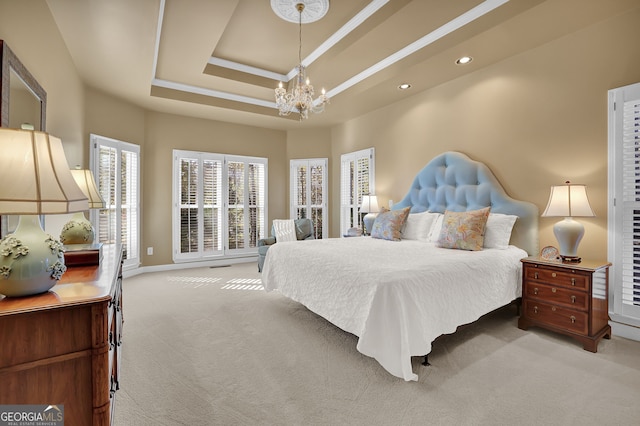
x: 63, y: 347
x: 567, y: 298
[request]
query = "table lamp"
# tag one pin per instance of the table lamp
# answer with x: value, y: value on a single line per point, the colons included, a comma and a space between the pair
x: 79, y: 229
x: 34, y: 180
x: 369, y: 206
x: 569, y: 201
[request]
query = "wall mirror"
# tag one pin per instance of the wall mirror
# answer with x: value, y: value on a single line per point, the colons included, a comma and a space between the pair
x: 22, y: 102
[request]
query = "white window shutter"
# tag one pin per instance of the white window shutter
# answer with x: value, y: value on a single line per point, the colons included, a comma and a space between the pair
x: 116, y: 165
x: 308, y: 193
x: 357, y: 178
x: 220, y: 205
x: 624, y: 213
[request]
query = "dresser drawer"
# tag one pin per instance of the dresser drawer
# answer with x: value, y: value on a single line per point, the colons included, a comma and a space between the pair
x: 556, y: 316
x: 571, y: 298
x: 557, y: 277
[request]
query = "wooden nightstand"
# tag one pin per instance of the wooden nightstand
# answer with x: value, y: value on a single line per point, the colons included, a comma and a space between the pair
x: 568, y: 298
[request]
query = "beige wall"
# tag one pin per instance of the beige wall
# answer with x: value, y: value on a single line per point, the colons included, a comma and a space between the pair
x: 29, y: 30
x: 536, y: 119
x: 166, y: 132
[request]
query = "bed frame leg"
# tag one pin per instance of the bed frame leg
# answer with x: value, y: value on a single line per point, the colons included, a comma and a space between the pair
x: 426, y: 360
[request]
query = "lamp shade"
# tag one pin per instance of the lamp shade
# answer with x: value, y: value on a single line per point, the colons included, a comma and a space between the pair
x: 369, y: 204
x: 84, y: 179
x: 34, y: 179
x: 568, y: 201
x: 35, y: 176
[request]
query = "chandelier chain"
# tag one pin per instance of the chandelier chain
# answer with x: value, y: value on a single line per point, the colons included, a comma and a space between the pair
x: 300, y: 97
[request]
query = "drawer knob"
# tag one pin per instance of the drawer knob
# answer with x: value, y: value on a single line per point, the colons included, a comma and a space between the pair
x: 535, y: 275
x: 535, y: 309
x: 573, y: 319
x: 573, y: 299
x: 573, y: 281
x: 553, y: 290
x: 553, y: 308
x: 535, y: 290
x: 553, y: 274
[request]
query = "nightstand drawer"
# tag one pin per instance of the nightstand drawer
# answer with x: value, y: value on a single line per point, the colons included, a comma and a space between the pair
x: 571, y: 298
x: 556, y: 316
x: 557, y: 276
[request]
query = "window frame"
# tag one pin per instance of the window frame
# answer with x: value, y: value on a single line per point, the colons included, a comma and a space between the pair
x: 225, y: 252
x: 351, y: 187
x: 294, y: 207
x: 133, y: 259
x: 620, y: 312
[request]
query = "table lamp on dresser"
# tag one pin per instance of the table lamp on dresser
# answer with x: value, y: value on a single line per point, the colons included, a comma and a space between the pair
x: 79, y: 229
x: 34, y: 180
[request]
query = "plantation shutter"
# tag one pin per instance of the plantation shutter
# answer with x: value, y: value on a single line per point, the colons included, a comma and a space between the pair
x: 256, y: 195
x: 116, y: 165
x: 220, y: 204
x: 189, y: 224
x: 212, y: 207
x: 235, y: 203
x: 357, y: 173
x: 200, y: 205
x: 307, y: 193
x: 625, y: 134
x: 129, y: 204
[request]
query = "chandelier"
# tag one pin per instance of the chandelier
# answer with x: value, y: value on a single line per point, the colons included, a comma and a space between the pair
x: 300, y: 98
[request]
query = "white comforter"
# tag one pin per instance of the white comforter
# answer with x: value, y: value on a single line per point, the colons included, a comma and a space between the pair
x: 396, y: 296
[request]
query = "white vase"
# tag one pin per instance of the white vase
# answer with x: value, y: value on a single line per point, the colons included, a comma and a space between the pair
x: 31, y: 261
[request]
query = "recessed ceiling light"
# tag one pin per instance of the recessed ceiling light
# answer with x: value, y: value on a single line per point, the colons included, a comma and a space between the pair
x: 464, y: 60
x: 404, y: 86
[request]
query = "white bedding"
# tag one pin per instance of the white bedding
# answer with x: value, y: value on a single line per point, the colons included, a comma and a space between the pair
x: 396, y: 296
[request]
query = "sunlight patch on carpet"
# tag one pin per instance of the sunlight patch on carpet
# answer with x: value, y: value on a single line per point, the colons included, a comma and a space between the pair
x: 243, y: 284
x: 194, y: 282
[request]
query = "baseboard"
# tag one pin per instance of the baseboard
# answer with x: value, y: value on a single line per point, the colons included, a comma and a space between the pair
x: 625, y: 330
x: 189, y: 265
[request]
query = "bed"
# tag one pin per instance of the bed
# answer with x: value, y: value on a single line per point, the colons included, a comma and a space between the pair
x: 397, y: 297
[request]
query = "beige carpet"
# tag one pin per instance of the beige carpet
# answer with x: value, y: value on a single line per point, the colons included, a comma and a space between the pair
x: 209, y: 347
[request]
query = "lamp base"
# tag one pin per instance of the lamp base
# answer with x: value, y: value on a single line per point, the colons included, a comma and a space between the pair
x: 31, y: 261
x: 77, y: 231
x: 569, y: 233
x: 367, y: 221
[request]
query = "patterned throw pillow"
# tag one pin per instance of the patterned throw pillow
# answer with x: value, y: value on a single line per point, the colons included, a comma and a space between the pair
x: 388, y: 224
x: 463, y: 230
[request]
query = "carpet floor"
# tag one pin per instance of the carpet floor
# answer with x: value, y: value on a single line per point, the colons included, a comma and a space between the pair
x: 209, y: 346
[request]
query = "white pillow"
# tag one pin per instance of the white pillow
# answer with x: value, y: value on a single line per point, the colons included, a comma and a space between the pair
x: 436, y: 226
x: 418, y: 226
x: 498, y: 230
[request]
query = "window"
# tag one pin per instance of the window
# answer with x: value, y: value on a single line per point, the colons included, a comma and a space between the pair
x: 357, y: 178
x: 220, y: 205
x: 624, y: 203
x: 117, y: 167
x: 308, y: 195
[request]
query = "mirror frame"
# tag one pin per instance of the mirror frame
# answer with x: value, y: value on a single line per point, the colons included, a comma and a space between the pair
x: 9, y: 61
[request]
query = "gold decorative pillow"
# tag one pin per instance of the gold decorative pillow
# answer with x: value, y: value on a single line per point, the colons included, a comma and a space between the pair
x: 463, y: 230
x: 388, y: 224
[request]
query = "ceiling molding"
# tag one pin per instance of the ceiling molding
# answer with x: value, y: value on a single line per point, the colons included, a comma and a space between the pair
x: 266, y: 75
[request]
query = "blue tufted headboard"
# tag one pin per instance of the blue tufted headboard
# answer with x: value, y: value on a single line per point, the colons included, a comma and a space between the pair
x: 452, y: 181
